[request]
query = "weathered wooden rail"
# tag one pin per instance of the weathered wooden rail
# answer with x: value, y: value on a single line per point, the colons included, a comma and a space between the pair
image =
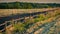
x: 15, y: 20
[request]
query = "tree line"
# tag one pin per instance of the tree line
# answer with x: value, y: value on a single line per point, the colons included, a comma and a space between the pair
x: 25, y: 5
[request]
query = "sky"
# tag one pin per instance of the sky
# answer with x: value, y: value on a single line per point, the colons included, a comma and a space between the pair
x: 34, y: 1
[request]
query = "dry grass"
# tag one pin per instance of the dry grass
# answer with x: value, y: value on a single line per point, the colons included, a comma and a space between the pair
x: 6, y: 12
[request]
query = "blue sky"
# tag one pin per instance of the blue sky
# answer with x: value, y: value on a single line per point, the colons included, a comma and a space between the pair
x: 34, y: 1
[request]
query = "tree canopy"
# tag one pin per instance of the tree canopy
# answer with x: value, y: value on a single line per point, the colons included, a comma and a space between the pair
x: 24, y: 5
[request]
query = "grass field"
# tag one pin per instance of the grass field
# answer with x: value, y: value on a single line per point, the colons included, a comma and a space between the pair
x: 6, y: 12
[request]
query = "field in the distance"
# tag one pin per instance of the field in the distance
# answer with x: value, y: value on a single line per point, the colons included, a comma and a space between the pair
x: 6, y: 12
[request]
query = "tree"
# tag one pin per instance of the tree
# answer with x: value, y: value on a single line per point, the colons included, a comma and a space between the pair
x: 17, y: 5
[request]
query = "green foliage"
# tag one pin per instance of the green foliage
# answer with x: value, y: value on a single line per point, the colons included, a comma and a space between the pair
x: 40, y: 18
x: 17, y: 5
x: 20, y: 27
x: 23, y: 26
x: 36, y: 20
x: 21, y: 5
x: 2, y: 32
x: 47, y: 16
